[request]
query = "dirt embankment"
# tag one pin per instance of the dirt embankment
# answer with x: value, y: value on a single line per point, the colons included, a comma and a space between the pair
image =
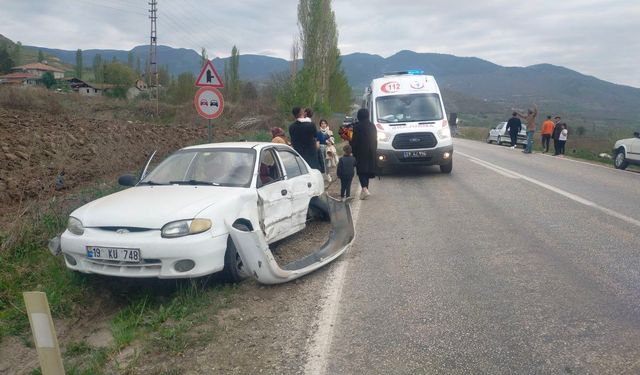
x: 51, y: 150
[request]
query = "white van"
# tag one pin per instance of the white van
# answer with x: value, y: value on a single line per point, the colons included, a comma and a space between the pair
x: 406, y: 108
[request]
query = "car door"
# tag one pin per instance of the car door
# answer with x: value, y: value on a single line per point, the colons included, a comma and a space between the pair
x: 300, y: 185
x: 275, y: 199
x: 634, y: 149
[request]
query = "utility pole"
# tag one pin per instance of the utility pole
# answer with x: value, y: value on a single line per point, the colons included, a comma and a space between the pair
x: 153, y: 50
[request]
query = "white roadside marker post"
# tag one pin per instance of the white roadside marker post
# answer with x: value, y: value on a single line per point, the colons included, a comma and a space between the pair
x: 44, y: 333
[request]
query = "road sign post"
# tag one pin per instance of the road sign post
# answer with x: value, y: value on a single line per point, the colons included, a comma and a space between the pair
x: 208, y: 100
x: 44, y: 333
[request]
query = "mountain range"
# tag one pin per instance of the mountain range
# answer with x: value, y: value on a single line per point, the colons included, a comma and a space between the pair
x: 471, y: 84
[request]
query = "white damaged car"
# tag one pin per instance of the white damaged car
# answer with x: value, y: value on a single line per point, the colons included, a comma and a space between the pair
x: 177, y: 221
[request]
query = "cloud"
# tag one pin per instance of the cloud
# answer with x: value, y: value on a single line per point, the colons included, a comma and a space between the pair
x: 595, y: 37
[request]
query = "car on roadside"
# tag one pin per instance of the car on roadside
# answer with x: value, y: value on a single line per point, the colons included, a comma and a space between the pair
x: 499, y: 135
x: 627, y: 151
x: 175, y: 221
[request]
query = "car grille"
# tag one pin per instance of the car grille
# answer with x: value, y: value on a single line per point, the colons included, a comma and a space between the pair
x: 408, y: 141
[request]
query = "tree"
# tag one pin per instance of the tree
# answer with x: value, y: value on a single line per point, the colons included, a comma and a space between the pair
x: 98, y: 68
x: 182, y: 89
x: 17, y: 53
x: 581, y: 130
x: 48, y: 79
x: 138, y: 67
x: 40, y: 56
x: 119, y: 75
x: 6, y: 63
x: 79, y: 65
x: 234, y: 75
x: 203, y: 56
x: 321, y: 82
x: 164, y: 78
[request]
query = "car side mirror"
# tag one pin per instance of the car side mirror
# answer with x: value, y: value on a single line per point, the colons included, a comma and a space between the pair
x: 127, y: 180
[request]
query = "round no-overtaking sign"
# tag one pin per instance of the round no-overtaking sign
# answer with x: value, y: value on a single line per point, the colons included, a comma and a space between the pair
x: 209, y: 102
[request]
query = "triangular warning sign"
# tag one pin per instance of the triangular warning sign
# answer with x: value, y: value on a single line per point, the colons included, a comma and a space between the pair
x: 209, y: 77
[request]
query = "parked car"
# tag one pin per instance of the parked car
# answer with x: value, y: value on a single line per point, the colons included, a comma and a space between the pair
x: 499, y: 135
x: 175, y: 221
x: 627, y: 151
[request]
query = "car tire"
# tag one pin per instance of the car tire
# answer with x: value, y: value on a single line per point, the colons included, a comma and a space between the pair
x: 318, y: 210
x: 499, y: 141
x: 446, y: 168
x: 234, y: 270
x: 619, y: 160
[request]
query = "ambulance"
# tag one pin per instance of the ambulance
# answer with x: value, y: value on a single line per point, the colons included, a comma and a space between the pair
x: 407, y: 110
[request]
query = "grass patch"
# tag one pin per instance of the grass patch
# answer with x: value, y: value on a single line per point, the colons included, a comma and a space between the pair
x: 27, y: 264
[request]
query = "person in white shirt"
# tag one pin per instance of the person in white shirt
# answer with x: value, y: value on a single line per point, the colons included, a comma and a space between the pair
x: 562, y: 139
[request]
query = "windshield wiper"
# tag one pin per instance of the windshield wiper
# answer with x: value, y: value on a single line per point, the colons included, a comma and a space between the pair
x: 194, y: 182
x: 150, y: 183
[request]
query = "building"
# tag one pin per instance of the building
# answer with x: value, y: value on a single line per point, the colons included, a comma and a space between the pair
x: 39, y: 69
x: 19, y: 78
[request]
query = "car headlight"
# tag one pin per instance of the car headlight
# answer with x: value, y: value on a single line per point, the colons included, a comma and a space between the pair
x: 382, y: 136
x: 75, y: 226
x: 444, y: 133
x: 185, y: 227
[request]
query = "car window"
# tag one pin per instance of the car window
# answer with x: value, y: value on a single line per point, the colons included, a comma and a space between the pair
x: 291, y: 165
x: 301, y: 164
x: 224, y: 167
x: 500, y: 126
x: 268, y: 169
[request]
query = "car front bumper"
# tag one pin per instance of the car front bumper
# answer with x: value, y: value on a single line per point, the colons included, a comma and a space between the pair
x: 158, y: 255
x: 433, y: 156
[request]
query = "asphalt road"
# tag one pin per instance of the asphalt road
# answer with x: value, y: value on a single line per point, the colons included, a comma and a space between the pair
x: 513, y: 264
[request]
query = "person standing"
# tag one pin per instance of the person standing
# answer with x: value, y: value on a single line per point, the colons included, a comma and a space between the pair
x: 303, y: 139
x: 547, y: 131
x: 530, y: 120
x: 562, y: 139
x: 514, y: 125
x: 346, y: 165
x: 557, y: 129
x: 364, y: 144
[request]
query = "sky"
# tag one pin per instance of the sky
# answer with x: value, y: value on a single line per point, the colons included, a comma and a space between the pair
x: 594, y: 37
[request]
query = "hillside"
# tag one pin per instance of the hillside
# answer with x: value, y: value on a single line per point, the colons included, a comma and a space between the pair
x: 471, y: 80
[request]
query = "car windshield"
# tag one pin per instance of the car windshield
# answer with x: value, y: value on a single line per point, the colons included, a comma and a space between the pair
x: 410, y: 107
x: 216, y: 167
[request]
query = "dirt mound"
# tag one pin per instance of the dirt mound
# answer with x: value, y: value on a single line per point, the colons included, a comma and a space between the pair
x: 44, y: 154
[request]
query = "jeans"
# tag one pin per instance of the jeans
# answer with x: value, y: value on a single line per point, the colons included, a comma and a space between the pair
x: 529, y: 141
x: 545, y: 142
x: 561, y: 147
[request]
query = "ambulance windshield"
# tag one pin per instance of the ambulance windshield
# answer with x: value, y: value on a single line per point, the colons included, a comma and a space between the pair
x: 409, y: 107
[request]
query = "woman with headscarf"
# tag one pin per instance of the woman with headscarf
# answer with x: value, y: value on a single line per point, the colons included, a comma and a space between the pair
x: 278, y: 136
x: 364, y: 144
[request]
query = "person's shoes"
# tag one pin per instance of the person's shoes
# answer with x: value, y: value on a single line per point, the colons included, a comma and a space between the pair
x: 512, y: 147
x: 364, y: 194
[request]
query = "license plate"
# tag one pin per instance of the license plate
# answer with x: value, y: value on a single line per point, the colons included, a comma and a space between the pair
x: 114, y: 253
x: 414, y: 154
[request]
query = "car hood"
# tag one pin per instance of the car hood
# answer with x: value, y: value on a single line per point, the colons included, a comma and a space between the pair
x: 153, y: 206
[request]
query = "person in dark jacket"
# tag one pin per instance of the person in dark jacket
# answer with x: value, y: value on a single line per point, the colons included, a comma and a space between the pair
x: 557, y: 130
x: 514, y: 125
x: 303, y: 139
x: 346, y: 165
x: 364, y: 144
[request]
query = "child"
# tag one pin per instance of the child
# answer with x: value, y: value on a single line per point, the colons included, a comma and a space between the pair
x: 562, y: 139
x: 346, y: 165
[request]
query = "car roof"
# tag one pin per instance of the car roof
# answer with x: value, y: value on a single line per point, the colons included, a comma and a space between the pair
x: 244, y: 145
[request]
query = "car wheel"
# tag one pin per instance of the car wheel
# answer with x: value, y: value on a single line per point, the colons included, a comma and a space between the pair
x: 499, y: 141
x: 619, y: 161
x: 446, y: 168
x: 234, y: 269
x: 318, y: 210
